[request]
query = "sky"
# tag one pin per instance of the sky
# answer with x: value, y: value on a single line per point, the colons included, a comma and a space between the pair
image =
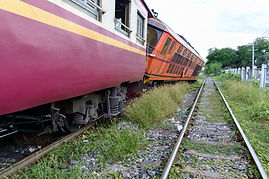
x: 215, y: 23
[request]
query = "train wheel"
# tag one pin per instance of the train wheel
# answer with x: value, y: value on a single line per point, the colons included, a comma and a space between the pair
x: 70, y: 122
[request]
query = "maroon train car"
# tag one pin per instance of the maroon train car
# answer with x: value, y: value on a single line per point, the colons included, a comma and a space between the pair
x: 53, y: 50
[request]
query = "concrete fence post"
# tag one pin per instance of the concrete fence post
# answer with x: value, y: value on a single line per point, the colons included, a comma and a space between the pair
x: 243, y: 74
x: 248, y: 74
x: 255, y: 72
x: 263, y: 74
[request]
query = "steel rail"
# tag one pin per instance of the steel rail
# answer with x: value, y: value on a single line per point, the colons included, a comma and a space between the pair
x: 33, y: 158
x: 175, y: 150
x: 250, y: 148
x: 8, y: 134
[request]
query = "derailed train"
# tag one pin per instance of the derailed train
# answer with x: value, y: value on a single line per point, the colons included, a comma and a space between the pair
x: 64, y: 63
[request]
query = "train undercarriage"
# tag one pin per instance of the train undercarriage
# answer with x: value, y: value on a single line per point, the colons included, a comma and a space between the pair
x: 67, y: 115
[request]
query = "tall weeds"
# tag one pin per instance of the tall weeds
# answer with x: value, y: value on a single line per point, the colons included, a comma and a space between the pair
x: 156, y: 104
x: 251, y: 108
x: 256, y: 98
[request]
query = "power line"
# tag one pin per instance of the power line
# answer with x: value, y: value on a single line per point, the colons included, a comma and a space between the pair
x: 265, y: 33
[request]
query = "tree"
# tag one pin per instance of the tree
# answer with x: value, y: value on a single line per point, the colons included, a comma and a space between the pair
x: 262, y: 51
x: 241, y: 57
x: 244, y: 55
x: 226, y: 56
x: 213, y: 68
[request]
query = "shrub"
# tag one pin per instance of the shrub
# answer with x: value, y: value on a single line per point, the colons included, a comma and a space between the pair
x: 228, y: 76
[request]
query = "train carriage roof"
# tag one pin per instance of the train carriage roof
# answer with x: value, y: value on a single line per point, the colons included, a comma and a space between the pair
x: 157, y: 23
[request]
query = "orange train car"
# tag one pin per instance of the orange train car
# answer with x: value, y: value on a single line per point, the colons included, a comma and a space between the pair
x: 170, y: 56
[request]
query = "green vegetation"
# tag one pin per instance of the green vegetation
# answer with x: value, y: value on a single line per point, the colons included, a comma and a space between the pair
x: 201, y: 76
x: 226, y: 56
x: 251, y: 108
x: 228, y: 76
x: 215, y: 110
x: 156, y: 105
x: 213, y: 68
x: 109, y: 143
x: 241, y: 57
x: 225, y: 150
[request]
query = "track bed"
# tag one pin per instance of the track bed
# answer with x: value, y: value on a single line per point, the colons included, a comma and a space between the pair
x: 213, y: 147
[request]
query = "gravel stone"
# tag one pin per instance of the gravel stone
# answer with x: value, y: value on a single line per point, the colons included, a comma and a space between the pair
x: 202, y: 130
x: 152, y: 159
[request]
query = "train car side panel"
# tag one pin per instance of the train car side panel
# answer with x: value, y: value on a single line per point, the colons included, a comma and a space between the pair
x: 56, y: 59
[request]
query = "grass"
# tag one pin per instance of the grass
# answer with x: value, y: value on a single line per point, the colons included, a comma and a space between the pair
x: 115, y: 144
x: 156, y: 105
x: 251, y: 108
x: 107, y: 143
x: 214, y: 110
x: 225, y: 150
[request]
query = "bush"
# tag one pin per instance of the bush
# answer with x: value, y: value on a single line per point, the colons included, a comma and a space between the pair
x: 228, y: 76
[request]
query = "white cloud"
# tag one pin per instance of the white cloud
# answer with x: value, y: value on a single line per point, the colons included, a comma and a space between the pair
x: 214, y: 23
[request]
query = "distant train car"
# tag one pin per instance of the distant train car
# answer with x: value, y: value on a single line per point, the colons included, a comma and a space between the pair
x: 169, y: 56
x: 53, y: 50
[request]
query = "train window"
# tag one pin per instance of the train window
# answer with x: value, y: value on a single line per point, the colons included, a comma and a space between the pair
x: 180, y: 60
x: 171, y: 47
x: 178, y: 57
x: 186, y: 61
x: 92, y: 6
x: 140, y: 28
x: 184, y: 53
x: 153, y: 37
x: 174, y: 58
x: 180, y: 49
x: 122, y: 17
x: 192, y: 57
x: 165, y: 47
x: 189, y: 55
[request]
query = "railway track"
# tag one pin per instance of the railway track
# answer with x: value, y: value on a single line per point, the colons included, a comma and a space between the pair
x: 34, y: 157
x: 214, y: 145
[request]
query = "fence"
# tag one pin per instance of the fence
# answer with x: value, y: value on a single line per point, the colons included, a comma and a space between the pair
x: 261, y: 75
